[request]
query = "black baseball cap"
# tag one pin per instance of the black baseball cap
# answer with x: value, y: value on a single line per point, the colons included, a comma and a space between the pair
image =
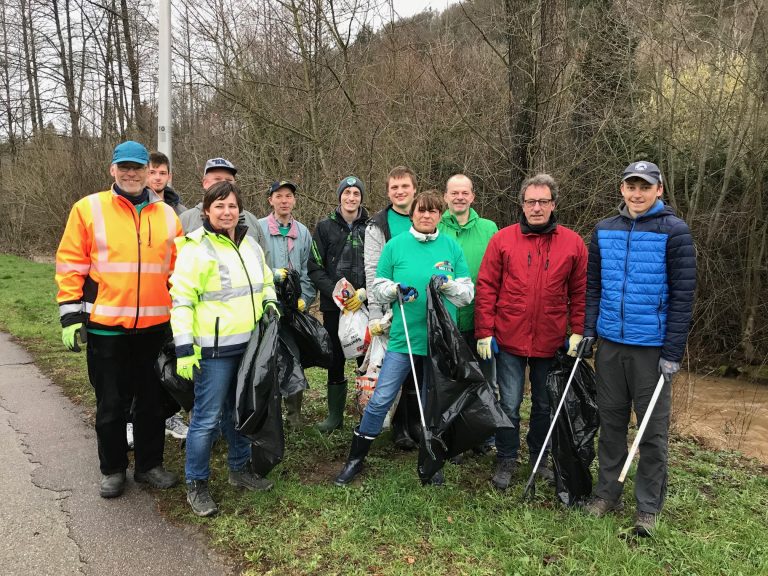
x: 276, y: 185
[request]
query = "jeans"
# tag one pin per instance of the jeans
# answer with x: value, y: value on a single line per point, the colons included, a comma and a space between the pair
x: 394, y: 370
x: 214, y: 402
x: 511, y: 378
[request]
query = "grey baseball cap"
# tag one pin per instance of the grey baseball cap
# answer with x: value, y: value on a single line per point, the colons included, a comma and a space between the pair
x: 648, y: 171
x: 216, y: 163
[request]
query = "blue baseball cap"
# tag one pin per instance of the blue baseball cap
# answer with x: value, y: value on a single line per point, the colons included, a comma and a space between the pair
x: 130, y: 151
x: 648, y: 171
x: 219, y: 163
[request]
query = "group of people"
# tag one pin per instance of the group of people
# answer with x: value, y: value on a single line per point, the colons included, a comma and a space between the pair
x: 517, y: 295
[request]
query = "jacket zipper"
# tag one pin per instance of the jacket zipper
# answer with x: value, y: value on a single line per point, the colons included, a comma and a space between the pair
x: 626, y: 273
x: 138, y: 275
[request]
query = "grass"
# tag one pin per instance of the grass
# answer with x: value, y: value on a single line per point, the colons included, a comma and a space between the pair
x: 713, y: 522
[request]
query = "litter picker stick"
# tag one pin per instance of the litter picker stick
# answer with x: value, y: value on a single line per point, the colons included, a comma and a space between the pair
x: 552, y: 426
x: 427, y: 433
x: 641, y: 430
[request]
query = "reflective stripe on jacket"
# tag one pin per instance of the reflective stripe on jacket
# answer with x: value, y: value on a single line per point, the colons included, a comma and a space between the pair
x: 113, y: 263
x: 219, y: 288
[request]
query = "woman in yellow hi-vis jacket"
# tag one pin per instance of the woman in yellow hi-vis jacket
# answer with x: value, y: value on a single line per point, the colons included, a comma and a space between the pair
x: 220, y: 287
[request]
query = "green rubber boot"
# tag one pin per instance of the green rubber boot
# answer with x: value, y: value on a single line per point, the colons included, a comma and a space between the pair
x: 337, y: 400
x: 293, y: 410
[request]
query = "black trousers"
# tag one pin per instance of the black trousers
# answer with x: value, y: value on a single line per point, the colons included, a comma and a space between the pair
x: 336, y: 371
x: 120, y: 369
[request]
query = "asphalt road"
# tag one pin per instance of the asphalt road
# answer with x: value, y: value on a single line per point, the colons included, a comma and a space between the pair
x: 52, y: 520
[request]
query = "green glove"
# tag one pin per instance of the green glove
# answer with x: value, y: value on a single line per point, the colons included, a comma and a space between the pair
x: 185, y: 367
x: 69, y: 336
x: 279, y: 274
x: 270, y: 312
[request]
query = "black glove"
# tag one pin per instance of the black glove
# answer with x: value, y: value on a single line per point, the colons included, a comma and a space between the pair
x: 584, y: 349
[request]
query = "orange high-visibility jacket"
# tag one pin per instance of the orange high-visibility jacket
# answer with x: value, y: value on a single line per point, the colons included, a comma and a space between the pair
x: 113, y: 264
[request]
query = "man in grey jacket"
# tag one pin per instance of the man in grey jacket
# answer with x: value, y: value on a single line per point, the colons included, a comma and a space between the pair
x: 220, y: 170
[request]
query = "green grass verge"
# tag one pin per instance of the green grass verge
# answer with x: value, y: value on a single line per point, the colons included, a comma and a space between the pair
x: 713, y: 522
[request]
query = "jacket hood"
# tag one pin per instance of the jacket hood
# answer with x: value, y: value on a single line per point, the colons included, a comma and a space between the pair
x: 362, y: 216
x: 170, y: 197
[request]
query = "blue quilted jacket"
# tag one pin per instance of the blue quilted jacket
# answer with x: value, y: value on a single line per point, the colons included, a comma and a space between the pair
x: 641, y: 279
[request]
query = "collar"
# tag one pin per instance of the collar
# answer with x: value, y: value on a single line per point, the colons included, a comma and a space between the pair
x: 547, y: 228
x: 421, y: 237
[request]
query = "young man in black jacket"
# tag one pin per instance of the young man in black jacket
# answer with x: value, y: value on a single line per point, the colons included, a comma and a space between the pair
x: 337, y: 252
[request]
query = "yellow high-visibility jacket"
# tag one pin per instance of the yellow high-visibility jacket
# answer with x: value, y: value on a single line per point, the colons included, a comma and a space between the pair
x: 113, y: 263
x: 219, y: 288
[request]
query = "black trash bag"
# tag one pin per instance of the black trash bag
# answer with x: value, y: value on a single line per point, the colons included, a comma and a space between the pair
x: 257, y: 399
x: 461, y: 408
x: 291, y: 376
x: 573, y: 437
x: 301, y: 331
x: 180, y: 390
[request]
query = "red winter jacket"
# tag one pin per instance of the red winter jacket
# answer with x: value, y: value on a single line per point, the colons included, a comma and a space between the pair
x: 530, y: 288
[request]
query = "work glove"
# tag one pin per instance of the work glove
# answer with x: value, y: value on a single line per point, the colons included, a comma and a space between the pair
x: 69, y: 336
x: 573, y: 344
x: 376, y: 327
x: 185, y: 367
x: 408, y: 293
x: 301, y: 305
x: 354, y: 302
x: 270, y: 311
x: 487, y: 347
x: 668, y: 368
x: 584, y: 348
x: 443, y: 282
x: 279, y: 274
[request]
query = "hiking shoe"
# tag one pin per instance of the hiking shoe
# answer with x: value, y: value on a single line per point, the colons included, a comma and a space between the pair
x: 244, y: 478
x: 157, y: 477
x: 176, y: 427
x: 112, y: 485
x: 200, y: 499
x: 599, y: 507
x: 645, y: 524
x: 129, y: 435
x: 437, y: 480
x: 505, y: 469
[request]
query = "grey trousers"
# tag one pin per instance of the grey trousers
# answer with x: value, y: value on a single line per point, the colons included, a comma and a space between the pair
x: 626, y: 378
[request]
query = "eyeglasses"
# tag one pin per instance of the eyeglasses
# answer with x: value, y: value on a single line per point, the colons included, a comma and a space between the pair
x: 124, y: 167
x: 543, y: 203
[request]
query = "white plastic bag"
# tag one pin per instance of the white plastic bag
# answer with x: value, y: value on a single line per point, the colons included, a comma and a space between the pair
x: 368, y: 373
x: 352, y: 325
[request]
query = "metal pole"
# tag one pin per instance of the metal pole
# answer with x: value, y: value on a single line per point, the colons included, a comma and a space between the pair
x: 164, y: 127
x: 641, y: 430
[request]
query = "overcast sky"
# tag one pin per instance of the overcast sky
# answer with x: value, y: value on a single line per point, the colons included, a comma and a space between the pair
x: 410, y: 7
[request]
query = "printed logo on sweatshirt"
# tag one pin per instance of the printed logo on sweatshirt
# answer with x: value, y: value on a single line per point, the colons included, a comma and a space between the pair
x: 444, y: 266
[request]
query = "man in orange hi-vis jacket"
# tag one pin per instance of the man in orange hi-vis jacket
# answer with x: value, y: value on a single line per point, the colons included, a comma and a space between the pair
x: 112, y: 270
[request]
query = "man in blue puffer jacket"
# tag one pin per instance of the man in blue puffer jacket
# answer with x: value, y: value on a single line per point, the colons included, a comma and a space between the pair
x: 641, y: 280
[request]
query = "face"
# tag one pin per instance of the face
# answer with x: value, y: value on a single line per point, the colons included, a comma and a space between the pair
x: 217, y: 175
x: 158, y: 177
x: 223, y: 213
x: 351, y: 199
x: 282, y: 201
x: 640, y: 195
x: 425, y: 221
x: 459, y: 196
x: 401, y: 192
x: 538, y: 213
x: 129, y: 176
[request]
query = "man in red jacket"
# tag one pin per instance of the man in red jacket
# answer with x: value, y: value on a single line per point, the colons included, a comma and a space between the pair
x: 531, y: 286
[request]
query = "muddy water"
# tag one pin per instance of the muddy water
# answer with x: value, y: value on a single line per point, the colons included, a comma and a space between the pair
x: 723, y: 413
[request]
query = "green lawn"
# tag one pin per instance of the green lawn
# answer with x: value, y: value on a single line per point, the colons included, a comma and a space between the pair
x: 714, y: 521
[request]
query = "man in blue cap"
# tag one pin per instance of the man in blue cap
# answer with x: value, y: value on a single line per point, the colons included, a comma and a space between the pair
x: 112, y: 270
x: 641, y: 279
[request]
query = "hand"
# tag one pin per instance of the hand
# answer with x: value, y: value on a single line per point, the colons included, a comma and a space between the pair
x: 69, y: 336
x: 573, y: 344
x: 409, y: 293
x: 301, y: 305
x: 443, y: 282
x: 584, y: 348
x: 270, y: 311
x: 376, y: 327
x: 354, y: 302
x: 185, y: 367
x: 668, y: 368
x: 279, y: 274
x: 487, y: 347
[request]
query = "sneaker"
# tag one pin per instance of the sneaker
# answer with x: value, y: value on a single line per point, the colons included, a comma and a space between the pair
x: 599, y: 507
x: 112, y: 485
x: 175, y: 426
x: 200, y: 499
x: 505, y: 469
x: 645, y: 524
x: 157, y: 477
x: 244, y: 478
x: 129, y: 435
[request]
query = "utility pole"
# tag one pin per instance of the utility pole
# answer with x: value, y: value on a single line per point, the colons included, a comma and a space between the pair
x: 164, y: 126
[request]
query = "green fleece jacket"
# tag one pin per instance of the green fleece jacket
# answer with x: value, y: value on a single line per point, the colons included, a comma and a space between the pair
x: 473, y: 237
